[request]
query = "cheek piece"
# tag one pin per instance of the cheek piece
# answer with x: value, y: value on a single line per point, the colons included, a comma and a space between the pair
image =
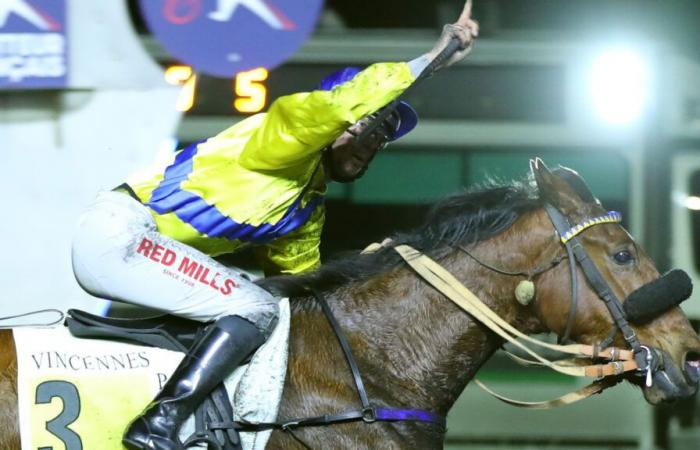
x: 655, y: 298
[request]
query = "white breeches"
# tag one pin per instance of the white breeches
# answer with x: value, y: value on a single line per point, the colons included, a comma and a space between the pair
x: 118, y: 254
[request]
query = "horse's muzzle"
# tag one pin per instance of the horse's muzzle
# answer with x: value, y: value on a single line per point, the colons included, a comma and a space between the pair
x: 672, y: 383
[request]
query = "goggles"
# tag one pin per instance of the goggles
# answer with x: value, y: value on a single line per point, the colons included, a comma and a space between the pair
x: 380, y: 136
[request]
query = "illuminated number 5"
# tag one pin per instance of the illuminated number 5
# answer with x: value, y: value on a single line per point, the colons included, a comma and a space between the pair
x: 251, y: 91
x: 58, y: 426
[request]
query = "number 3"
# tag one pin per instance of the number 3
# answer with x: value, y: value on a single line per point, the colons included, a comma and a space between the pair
x: 58, y: 426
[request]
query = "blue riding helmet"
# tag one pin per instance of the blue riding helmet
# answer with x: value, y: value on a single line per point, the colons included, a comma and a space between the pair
x: 408, y: 118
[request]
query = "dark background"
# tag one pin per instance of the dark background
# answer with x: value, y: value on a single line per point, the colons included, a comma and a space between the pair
x: 670, y: 21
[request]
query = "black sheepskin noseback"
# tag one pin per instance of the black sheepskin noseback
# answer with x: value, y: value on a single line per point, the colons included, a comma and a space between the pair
x: 655, y: 298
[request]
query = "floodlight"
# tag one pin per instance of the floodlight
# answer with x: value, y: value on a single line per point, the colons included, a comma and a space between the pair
x: 692, y: 202
x: 619, y: 85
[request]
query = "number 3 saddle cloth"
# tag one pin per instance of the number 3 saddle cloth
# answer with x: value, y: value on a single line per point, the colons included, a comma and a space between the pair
x: 80, y: 394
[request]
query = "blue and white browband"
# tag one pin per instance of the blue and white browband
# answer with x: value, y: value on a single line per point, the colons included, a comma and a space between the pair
x: 610, y: 217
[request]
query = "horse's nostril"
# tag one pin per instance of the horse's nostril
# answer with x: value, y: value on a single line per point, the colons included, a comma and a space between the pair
x: 691, y: 367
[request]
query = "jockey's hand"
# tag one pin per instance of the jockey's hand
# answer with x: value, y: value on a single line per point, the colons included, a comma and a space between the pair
x: 465, y: 33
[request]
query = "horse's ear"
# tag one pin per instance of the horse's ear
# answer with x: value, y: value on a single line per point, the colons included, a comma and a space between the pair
x: 555, y: 189
x: 577, y: 182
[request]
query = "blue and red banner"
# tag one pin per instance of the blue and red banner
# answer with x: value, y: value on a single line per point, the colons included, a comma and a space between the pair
x: 33, y: 44
x: 224, y: 37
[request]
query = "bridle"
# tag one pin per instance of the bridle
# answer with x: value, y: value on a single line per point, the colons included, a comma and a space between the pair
x: 647, y: 360
x: 568, y: 237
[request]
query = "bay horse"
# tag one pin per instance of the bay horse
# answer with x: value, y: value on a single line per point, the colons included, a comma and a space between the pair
x: 416, y: 349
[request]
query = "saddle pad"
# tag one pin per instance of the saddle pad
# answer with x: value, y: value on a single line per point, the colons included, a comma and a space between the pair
x: 80, y: 394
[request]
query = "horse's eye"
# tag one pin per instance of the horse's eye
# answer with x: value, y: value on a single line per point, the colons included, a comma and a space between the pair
x: 623, y: 257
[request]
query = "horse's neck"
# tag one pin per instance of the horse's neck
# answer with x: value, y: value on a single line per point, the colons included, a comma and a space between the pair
x: 418, y: 348
x: 414, y: 347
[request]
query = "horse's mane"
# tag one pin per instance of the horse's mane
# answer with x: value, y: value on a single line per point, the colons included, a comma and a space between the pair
x: 463, y: 218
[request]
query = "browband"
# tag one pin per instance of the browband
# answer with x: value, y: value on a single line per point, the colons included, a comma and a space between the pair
x: 610, y: 217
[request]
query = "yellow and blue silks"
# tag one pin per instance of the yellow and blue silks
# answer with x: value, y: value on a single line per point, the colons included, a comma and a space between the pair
x: 260, y: 181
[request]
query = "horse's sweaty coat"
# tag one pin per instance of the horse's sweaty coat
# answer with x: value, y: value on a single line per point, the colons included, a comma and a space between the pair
x: 81, y: 393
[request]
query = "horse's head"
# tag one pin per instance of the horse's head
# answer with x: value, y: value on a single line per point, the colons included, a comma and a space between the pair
x: 619, y: 299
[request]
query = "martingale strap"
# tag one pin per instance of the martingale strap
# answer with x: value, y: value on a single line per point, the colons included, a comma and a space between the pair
x: 376, y: 415
x: 368, y: 414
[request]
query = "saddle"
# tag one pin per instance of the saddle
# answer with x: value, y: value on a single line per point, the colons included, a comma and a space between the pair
x: 170, y: 333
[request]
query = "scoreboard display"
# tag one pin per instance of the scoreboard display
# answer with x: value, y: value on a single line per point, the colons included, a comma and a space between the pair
x: 488, y: 93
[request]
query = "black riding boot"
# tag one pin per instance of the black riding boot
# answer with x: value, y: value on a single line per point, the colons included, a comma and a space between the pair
x: 210, y: 360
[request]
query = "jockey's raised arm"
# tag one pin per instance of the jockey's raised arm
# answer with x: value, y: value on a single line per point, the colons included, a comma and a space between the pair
x: 261, y: 183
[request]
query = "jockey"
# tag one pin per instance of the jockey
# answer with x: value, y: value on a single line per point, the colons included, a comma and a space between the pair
x: 259, y: 183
